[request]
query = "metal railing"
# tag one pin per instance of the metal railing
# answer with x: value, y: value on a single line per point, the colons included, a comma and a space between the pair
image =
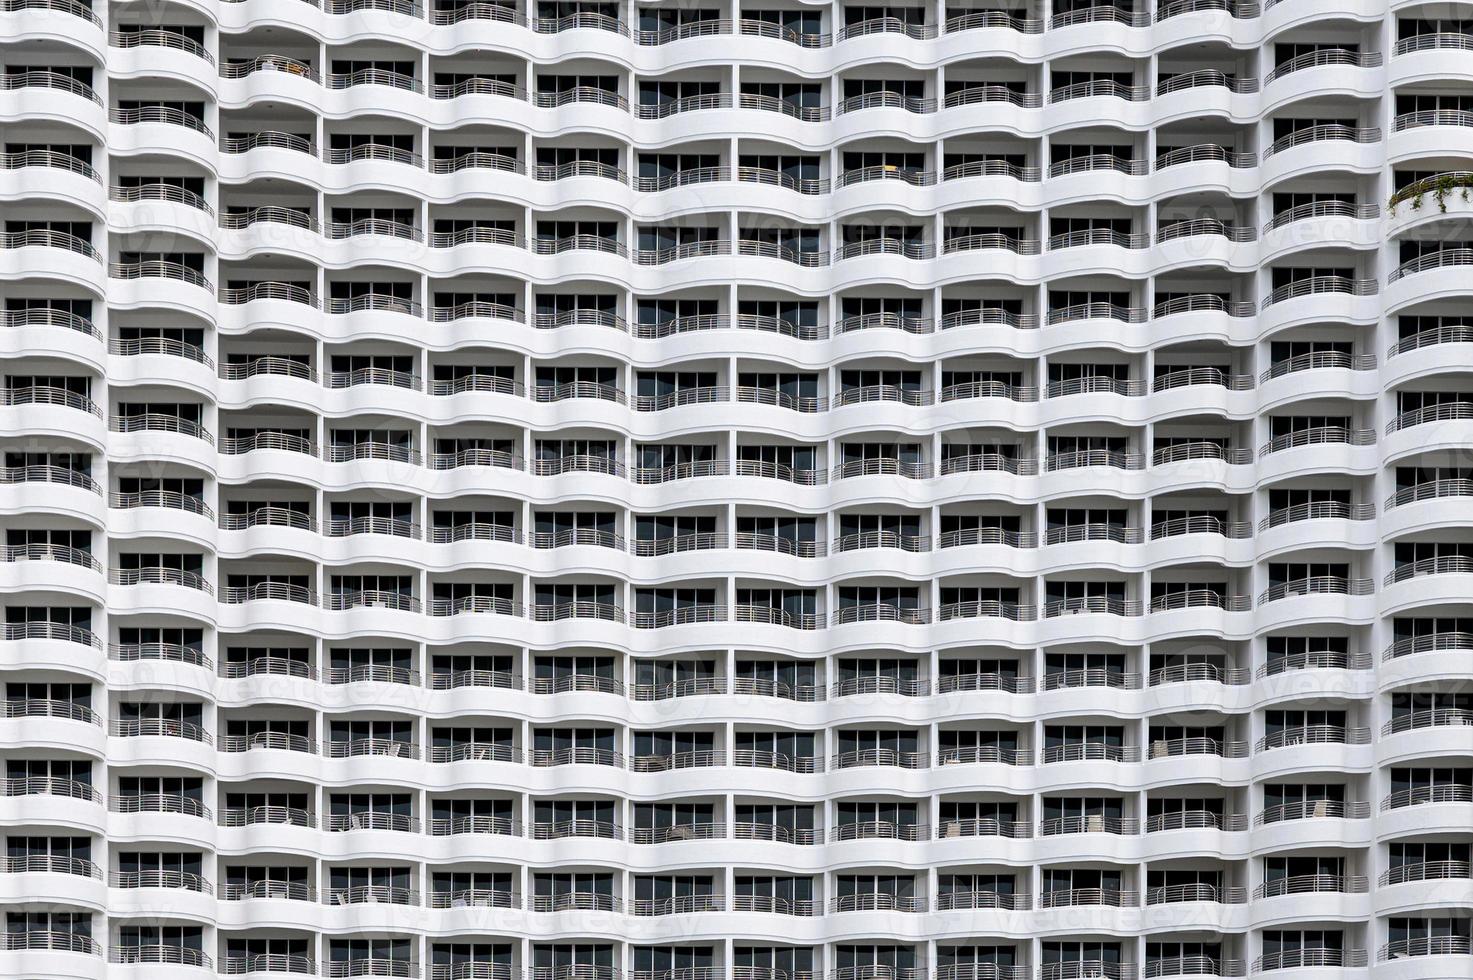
x: 1195, y: 892
x: 158, y: 727
x: 1058, y: 680
x: 166, y: 115
x: 1307, y: 957
x: 269, y: 62
x: 1324, y: 131
x: 268, y: 139
x: 1196, y: 820
x: 982, y: 827
x: 1426, y: 946
x: 63, y: 554
x: 1313, y: 735
x: 1432, y: 642
x: 166, y: 954
x: 1090, y: 752
x: 1319, y: 436
x: 49, y: 864
x: 256, y: 815
x: 1425, y: 871
x: 160, y: 803
x: 562, y: 829
x: 64, y: 632
x: 1449, y: 792
x: 1324, y: 56
x: 1088, y: 824
x: 1428, y: 718
x: 1204, y: 153
x: 164, y: 346
x: 1110, y: 897
x: 1200, y: 303
x: 777, y: 833
x: 1206, y: 77
x: 270, y: 741
x: 1198, y: 672
x: 183, y: 880
x: 483, y: 824
x: 160, y: 575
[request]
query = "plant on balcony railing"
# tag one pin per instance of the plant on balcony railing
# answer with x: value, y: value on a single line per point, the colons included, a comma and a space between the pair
x: 1441, y: 187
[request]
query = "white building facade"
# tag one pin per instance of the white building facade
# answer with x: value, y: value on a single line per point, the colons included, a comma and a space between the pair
x: 737, y: 489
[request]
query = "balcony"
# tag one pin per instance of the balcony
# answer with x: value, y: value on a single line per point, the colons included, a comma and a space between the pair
x: 983, y: 827
x: 269, y: 815
x: 1305, y: 884
x: 878, y: 830
x: 1318, y: 286
x: 564, y: 829
x: 1309, y: 958
x: 158, y: 728
x: 160, y: 576
x: 1193, y: 966
x: 1068, y: 897
x: 1091, y: 752
x: 352, y: 748
x: 1427, y: 946
x: 453, y: 826
x: 863, y: 758
x: 762, y: 759
x: 705, y: 830
x: 1196, y: 820
x: 50, y: 553
x: 1425, y: 871
x: 1317, y: 585
x: 339, y: 823
x: 1088, y: 824
x: 974, y: 900
x: 179, y: 880
x: 1321, y: 133
x: 371, y: 674
x: 175, y: 803
x: 1429, y: 718
x: 267, y: 741
x: 671, y: 761
x: 1092, y: 604
x: 678, y: 905
x: 370, y: 895
x: 1313, y: 735
x: 48, y: 395
x: 1056, y: 680
x: 1313, y: 810
x: 268, y: 963
x: 1191, y: 673
x: 167, y: 193
x: 777, y: 833
x: 49, y: 864
x: 1081, y: 969
x: 1195, y: 892
x: 1429, y: 643
x: 370, y: 966
x: 877, y: 902
x: 579, y: 755
x: 1176, y: 747
x: 161, y: 954
x: 1454, y: 411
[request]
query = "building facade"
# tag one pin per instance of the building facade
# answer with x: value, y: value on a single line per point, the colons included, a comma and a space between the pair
x: 737, y: 489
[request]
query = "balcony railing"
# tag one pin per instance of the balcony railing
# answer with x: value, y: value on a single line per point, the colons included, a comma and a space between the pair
x: 1313, y: 810
x: 1426, y: 946
x: 1319, y: 360
x: 1314, y: 735
x: 1310, y: 957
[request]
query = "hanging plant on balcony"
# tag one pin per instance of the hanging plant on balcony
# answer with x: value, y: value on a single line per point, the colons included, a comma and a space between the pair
x: 1441, y: 187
